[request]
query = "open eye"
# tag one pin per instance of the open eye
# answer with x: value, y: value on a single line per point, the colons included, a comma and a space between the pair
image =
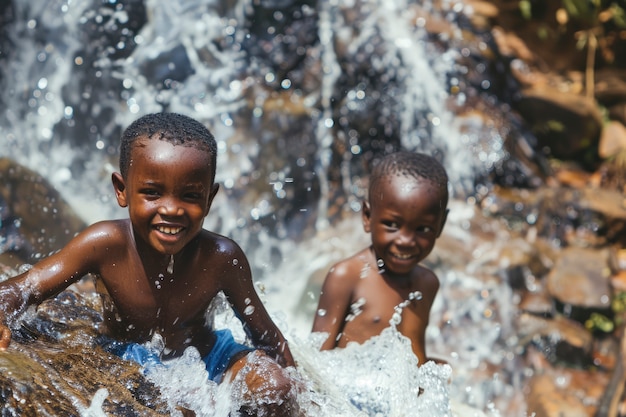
x: 425, y: 229
x: 391, y: 225
x: 192, y: 196
x: 151, y: 192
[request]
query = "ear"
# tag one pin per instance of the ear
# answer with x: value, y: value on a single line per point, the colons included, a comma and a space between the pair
x: 366, y: 214
x: 214, y: 190
x: 443, y: 222
x: 120, y: 189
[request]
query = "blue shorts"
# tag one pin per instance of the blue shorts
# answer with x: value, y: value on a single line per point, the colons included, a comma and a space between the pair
x: 224, y: 351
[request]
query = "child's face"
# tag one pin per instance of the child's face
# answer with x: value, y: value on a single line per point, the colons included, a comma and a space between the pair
x: 405, y: 217
x: 168, y: 192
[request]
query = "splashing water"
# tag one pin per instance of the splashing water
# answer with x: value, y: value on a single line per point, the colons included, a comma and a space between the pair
x: 66, y: 103
x: 170, y: 265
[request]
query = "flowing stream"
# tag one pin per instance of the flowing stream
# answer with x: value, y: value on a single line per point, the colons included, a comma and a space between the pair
x: 299, y: 95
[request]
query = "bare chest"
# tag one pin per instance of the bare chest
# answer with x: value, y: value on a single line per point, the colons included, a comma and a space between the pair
x: 140, y: 305
x: 374, y: 305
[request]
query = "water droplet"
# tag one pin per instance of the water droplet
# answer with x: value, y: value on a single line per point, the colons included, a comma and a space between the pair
x: 249, y: 310
x: 321, y: 312
x: 416, y: 295
x: 235, y: 261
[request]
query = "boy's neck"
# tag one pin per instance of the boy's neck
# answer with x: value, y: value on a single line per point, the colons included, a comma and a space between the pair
x: 401, y: 280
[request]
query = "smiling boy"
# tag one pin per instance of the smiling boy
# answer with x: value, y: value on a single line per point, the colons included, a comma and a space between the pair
x: 404, y: 214
x: 159, y: 270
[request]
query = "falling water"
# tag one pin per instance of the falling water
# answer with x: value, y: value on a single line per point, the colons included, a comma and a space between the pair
x: 299, y: 95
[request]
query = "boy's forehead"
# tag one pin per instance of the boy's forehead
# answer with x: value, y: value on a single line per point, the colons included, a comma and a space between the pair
x: 405, y: 185
x: 158, y: 147
x: 403, y: 182
x: 157, y: 150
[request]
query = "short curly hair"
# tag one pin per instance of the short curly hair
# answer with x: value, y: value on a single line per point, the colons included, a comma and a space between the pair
x: 413, y: 165
x: 174, y: 128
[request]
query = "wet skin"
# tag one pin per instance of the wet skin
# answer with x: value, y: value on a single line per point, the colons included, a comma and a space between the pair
x: 168, y: 193
x: 404, y: 218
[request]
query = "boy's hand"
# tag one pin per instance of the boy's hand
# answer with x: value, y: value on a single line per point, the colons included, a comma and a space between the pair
x: 5, y: 337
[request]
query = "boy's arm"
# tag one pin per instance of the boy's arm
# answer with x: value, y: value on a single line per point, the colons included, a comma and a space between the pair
x: 46, y: 279
x: 334, y: 304
x: 240, y: 292
x: 416, y: 328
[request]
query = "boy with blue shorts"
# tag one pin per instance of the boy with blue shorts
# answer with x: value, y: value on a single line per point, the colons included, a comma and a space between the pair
x: 159, y: 270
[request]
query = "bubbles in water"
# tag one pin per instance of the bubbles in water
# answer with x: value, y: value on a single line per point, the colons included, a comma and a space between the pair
x: 356, y: 309
x: 381, y: 266
x: 396, y: 318
x: 416, y: 295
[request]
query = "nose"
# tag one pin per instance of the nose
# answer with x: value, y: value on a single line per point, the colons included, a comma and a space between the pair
x: 405, y: 238
x: 170, y: 207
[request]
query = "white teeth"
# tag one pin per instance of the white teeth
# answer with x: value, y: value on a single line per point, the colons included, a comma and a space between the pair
x: 402, y: 255
x: 169, y: 230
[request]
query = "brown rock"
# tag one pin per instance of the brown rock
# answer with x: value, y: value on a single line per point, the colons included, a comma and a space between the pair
x: 566, y: 123
x: 39, y: 218
x: 618, y: 112
x: 610, y: 86
x: 571, y: 336
x: 511, y: 45
x: 536, y: 303
x: 565, y: 392
x: 612, y: 139
x: 609, y: 206
x: 580, y: 277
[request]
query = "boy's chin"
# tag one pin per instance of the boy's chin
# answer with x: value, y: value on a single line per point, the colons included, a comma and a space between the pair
x: 398, y: 271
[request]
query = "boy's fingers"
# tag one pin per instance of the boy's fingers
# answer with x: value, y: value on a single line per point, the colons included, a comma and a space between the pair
x: 5, y: 337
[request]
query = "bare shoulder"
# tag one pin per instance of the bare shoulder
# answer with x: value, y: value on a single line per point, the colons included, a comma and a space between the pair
x: 349, y: 269
x: 221, y: 254
x: 109, y: 233
x: 219, y: 246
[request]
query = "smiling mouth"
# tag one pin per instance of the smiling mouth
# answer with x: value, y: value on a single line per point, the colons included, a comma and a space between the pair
x: 402, y: 256
x: 169, y: 230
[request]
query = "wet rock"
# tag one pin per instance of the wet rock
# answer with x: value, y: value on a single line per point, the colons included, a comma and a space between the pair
x: 609, y: 208
x: 565, y: 392
x: 586, y: 217
x: 612, y: 140
x: 612, y: 172
x: 560, y: 339
x: 580, y: 278
x: 537, y: 304
x: 54, y: 367
x: 569, y: 124
x: 35, y: 219
x: 618, y: 112
x: 45, y: 378
x: 610, y: 86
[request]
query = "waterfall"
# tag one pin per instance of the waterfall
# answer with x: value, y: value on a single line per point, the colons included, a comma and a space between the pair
x: 299, y: 95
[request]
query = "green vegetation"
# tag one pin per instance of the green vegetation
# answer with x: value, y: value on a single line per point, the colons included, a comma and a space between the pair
x: 597, y: 23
